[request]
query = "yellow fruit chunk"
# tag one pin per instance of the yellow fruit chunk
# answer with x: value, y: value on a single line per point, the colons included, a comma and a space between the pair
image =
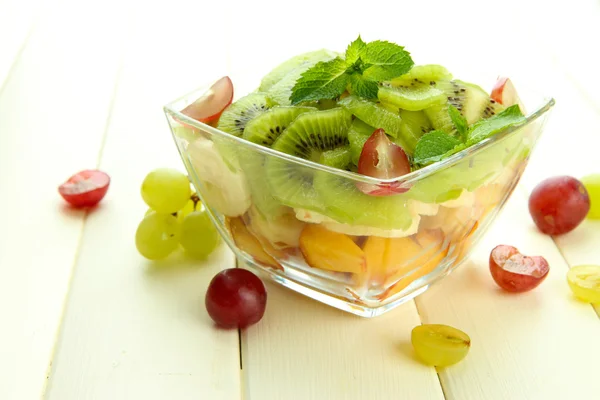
x: 584, y: 281
x: 440, y: 345
x: 387, y: 255
x: 331, y: 251
x: 249, y: 243
x: 430, y: 256
x: 488, y: 197
x: 466, y: 243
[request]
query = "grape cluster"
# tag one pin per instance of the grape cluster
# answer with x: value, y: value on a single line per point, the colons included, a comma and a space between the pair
x: 176, y: 218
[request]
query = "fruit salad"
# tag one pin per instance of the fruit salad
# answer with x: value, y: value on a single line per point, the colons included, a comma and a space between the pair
x: 361, y: 174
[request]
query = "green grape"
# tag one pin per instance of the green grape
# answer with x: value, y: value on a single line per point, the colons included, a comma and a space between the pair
x: 584, y: 281
x: 198, y: 235
x: 592, y: 185
x: 157, y: 235
x: 440, y: 345
x: 166, y: 190
x: 189, y: 207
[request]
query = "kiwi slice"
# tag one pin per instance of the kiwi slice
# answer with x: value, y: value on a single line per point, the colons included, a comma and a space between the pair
x: 267, y: 127
x: 357, y: 136
x: 238, y: 114
x: 414, y: 125
x: 470, y: 100
x: 308, y: 136
x: 424, y: 74
x: 374, y: 114
x: 412, y: 97
x: 345, y: 203
x: 337, y: 158
x: 300, y: 62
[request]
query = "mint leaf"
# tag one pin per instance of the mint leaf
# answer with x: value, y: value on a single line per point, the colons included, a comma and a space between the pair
x: 384, y: 60
x: 325, y: 80
x: 459, y: 122
x: 363, y: 88
x: 353, y: 51
x: 485, y: 128
x: 435, y: 146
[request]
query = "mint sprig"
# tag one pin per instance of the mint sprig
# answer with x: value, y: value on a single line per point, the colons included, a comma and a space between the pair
x: 433, y: 146
x: 485, y: 128
x: 459, y: 122
x: 325, y: 80
x: 438, y: 145
x: 361, y: 70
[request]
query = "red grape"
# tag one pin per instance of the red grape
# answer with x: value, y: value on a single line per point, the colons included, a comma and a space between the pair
x: 559, y: 204
x: 212, y: 103
x: 383, y: 159
x: 515, y: 272
x: 85, y: 188
x: 236, y: 298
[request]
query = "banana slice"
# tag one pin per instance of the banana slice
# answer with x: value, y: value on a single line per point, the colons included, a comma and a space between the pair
x: 418, y: 207
x: 224, y: 189
x: 282, y: 232
x: 356, y: 230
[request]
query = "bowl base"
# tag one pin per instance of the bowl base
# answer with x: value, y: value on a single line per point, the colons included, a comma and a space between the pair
x: 359, y: 307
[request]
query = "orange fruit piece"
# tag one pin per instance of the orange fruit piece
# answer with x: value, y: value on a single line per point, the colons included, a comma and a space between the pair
x: 387, y: 255
x: 429, y: 257
x: 331, y: 251
x: 249, y: 243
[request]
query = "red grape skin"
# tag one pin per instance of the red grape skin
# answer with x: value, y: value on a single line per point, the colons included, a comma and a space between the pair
x: 558, y: 204
x: 515, y: 272
x: 236, y: 298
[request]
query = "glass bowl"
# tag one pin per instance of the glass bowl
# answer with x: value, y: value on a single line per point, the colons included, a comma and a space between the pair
x: 307, y: 226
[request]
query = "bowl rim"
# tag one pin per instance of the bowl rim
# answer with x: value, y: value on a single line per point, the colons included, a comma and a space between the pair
x: 419, y: 174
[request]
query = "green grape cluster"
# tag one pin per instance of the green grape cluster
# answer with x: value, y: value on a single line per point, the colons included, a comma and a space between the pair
x: 176, y: 218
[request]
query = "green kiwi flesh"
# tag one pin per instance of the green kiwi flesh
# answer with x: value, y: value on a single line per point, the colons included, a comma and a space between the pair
x: 470, y: 100
x: 308, y: 137
x: 267, y: 127
x: 357, y: 136
x: 424, y: 73
x: 412, y: 97
x: 238, y: 114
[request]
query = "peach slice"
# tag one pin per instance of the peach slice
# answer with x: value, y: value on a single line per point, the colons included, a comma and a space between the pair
x: 387, y: 255
x: 331, y: 251
x: 431, y: 255
x: 249, y: 243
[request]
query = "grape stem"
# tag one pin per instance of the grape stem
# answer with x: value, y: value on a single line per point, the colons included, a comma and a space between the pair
x: 195, y: 199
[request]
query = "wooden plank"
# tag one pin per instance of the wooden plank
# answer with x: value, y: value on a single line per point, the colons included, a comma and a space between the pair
x: 17, y: 18
x: 524, y: 346
x: 52, y: 116
x: 568, y: 143
x: 132, y: 328
x: 303, y: 349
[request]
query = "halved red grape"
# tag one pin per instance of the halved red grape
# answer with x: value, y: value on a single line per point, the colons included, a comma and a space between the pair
x: 515, y: 272
x: 559, y: 204
x: 383, y: 159
x: 85, y: 189
x: 210, y: 106
x: 236, y: 298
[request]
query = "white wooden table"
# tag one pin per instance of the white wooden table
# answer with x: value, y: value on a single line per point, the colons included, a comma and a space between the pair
x: 85, y: 317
